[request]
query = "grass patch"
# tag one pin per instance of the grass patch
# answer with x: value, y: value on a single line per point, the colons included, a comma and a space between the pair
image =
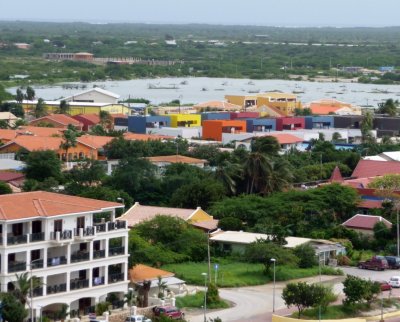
x: 237, y: 274
x: 197, y: 301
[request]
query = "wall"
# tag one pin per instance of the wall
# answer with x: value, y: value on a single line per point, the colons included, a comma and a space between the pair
x: 190, y: 120
x: 215, y: 116
x: 252, y: 125
x: 93, y: 96
x: 137, y: 124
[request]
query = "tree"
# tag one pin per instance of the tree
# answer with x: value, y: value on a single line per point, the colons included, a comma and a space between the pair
x: 64, y: 107
x: 12, y: 309
x: 87, y: 173
x: 388, y: 107
x: 266, y: 144
x: 19, y: 97
x: 43, y: 164
x: 304, y: 295
x: 40, y: 108
x: 228, y: 173
x: 306, y: 255
x: 5, y: 188
x: 23, y: 286
x: 366, y: 128
x: 257, y: 169
x: 105, y: 119
x: 69, y: 141
x: 30, y: 93
x: 357, y: 290
x: 336, y: 137
x: 230, y: 223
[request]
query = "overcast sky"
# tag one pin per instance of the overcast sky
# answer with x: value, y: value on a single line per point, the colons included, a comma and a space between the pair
x: 249, y: 12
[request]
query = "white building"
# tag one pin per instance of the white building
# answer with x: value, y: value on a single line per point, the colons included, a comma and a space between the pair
x: 94, y: 95
x: 74, y: 245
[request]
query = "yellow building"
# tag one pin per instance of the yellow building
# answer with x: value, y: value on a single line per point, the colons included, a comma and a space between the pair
x: 185, y: 120
x: 76, y: 108
x: 285, y: 103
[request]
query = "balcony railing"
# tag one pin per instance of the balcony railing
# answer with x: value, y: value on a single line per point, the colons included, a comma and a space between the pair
x: 98, y: 281
x: 37, y: 263
x: 84, y: 232
x: 36, y: 237
x: 61, y: 235
x: 114, y: 278
x: 15, y: 240
x: 100, y: 228
x: 55, y: 261
x: 99, y: 254
x: 53, y: 289
x: 78, y: 284
x: 38, y: 291
x: 110, y: 226
x: 116, y: 251
x: 16, y: 267
x: 80, y: 257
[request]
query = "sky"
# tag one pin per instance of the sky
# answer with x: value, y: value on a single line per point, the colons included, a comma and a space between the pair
x: 291, y: 13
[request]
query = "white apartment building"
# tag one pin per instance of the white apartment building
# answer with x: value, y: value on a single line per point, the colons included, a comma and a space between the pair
x: 75, y: 245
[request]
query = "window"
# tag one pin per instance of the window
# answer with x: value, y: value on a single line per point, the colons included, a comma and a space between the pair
x: 35, y: 254
x: 58, y: 225
x: 80, y: 222
x: 17, y: 229
x: 36, y: 226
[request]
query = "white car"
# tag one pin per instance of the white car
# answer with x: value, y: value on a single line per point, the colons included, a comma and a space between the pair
x: 394, y: 281
x: 137, y: 318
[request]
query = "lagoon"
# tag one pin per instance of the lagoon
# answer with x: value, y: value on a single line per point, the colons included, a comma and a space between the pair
x: 196, y: 90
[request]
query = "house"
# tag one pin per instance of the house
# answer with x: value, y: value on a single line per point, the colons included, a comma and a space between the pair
x: 73, y: 245
x: 145, y: 137
x: 163, y: 161
x: 61, y: 121
x: 319, y: 122
x: 372, y: 168
x: 140, y: 273
x: 290, y: 123
x: 217, y: 105
x: 365, y: 223
x: 94, y: 95
x: 10, y: 118
x: 184, y: 120
x: 332, y: 106
x: 236, y: 242
x: 139, y: 124
x: 215, y: 116
x: 177, y: 132
x: 260, y: 125
x: 213, y: 129
x: 87, y: 120
x: 243, y: 115
x: 139, y: 213
x: 14, y: 179
x: 286, y: 141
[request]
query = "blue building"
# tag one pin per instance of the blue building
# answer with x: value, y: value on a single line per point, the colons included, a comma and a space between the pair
x: 260, y: 125
x: 215, y: 116
x: 319, y: 122
x: 139, y: 124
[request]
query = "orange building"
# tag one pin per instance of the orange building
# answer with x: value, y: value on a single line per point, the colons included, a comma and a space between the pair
x: 213, y: 129
x: 58, y: 121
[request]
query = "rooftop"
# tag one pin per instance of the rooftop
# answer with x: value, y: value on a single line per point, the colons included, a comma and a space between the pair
x: 96, y: 89
x: 372, y: 168
x: 145, y: 137
x: 140, y: 272
x: 366, y: 222
x: 60, y: 119
x: 47, y: 204
x: 220, y: 105
x: 176, y: 159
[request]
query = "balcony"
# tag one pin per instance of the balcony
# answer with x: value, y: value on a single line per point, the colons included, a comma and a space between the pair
x: 114, y: 278
x: 101, y: 228
x: 53, y: 289
x: 55, y: 261
x: 99, y: 254
x: 61, y: 236
x: 98, y: 281
x: 15, y: 240
x: 16, y: 267
x: 84, y: 233
x: 37, y: 263
x: 114, y: 251
x: 78, y: 284
x: 110, y: 226
x: 80, y: 257
x: 37, y: 291
x: 36, y: 237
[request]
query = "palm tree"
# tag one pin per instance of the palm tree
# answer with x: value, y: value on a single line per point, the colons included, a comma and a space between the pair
x: 64, y: 107
x: 228, y: 172
x: 69, y: 141
x: 23, y: 286
x: 257, y: 168
x: 105, y: 119
x: 280, y: 177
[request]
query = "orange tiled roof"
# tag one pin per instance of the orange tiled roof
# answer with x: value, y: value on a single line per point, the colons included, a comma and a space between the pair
x: 95, y: 141
x: 372, y: 168
x: 176, y: 159
x: 39, y: 131
x: 61, y: 119
x: 35, y: 143
x: 119, y: 115
x: 47, y: 204
x: 336, y: 175
x: 140, y: 273
x: 138, y: 213
x: 7, y: 135
x: 93, y: 118
x: 324, y: 109
x: 284, y: 138
x: 206, y: 225
x: 145, y: 137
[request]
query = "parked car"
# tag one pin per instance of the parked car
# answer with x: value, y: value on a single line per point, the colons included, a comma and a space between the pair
x: 393, y: 261
x: 377, y: 263
x: 385, y: 286
x: 137, y: 318
x: 394, y: 281
x: 169, y: 311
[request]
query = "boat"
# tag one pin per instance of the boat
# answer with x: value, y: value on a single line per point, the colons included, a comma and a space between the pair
x: 204, y: 89
x: 250, y: 83
x: 219, y: 89
x: 154, y: 86
x: 224, y: 83
x: 298, y: 92
x: 185, y: 82
x: 254, y: 91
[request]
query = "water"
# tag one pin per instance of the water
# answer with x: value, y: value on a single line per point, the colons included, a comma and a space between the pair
x: 202, y: 89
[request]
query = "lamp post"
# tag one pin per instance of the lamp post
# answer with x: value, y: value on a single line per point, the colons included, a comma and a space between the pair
x: 273, y: 260
x: 31, y: 284
x: 122, y: 201
x: 205, y: 295
x: 130, y: 290
x: 320, y: 283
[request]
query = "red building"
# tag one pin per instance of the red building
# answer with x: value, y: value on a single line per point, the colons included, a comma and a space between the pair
x: 88, y: 120
x: 244, y: 115
x: 290, y: 123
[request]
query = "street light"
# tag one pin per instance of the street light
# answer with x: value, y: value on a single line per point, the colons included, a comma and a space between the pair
x: 130, y: 290
x: 273, y: 260
x: 205, y: 295
x: 122, y: 201
x: 320, y: 283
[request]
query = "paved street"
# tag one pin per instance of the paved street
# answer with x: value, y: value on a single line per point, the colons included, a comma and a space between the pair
x: 255, y: 303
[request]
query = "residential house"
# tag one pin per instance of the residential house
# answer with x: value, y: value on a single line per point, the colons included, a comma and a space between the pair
x: 185, y: 120
x: 365, y: 223
x: 8, y: 117
x: 286, y: 141
x: 213, y: 129
x: 73, y: 245
x: 139, y: 124
x: 14, y: 179
x: 87, y: 120
x: 165, y: 160
x: 215, y: 116
x: 58, y: 121
x: 217, y: 106
x: 139, y: 213
x: 332, y: 106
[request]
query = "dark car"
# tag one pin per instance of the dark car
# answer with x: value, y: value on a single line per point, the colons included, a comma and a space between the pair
x: 378, y: 263
x: 169, y: 311
x: 393, y: 261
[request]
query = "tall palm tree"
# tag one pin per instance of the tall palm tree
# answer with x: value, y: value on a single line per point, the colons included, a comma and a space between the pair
x: 228, y: 172
x: 23, y: 286
x: 69, y: 141
x: 280, y: 176
x: 257, y: 168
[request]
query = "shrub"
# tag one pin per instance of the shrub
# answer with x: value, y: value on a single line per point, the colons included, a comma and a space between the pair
x: 212, y: 294
x: 306, y: 255
x: 102, y: 307
x: 343, y: 260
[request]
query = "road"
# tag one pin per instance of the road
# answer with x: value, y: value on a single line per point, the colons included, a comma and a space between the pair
x: 254, y: 304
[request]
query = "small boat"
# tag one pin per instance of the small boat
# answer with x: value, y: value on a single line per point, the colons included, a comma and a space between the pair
x: 204, y: 89
x: 154, y: 86
x: 254, y: 91
x: 224, y: 83
x: 250, y: 83
x: 219, y: 89
x: 298, y: 92
x: 185, y: 82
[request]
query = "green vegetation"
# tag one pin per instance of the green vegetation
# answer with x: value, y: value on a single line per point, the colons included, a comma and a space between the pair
x: 197, y: 301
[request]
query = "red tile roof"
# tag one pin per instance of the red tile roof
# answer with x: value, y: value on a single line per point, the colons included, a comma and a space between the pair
x: 220, y: 105
x: 366, y: 222
x: 336, y: 175
x: 371, y: 168
x: 36, y: 143
x: 92, y: 118
x: 60, y: 119
x: 47, y: 204
x: 286, y: 138
x: 95, y: 141
x: 7, y: 176
x: 206, y: 225
x: 370, y: 204
x: 140, y: 272
x: 145, y: 137
x: 7, y: 135
x: 39, y: 131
